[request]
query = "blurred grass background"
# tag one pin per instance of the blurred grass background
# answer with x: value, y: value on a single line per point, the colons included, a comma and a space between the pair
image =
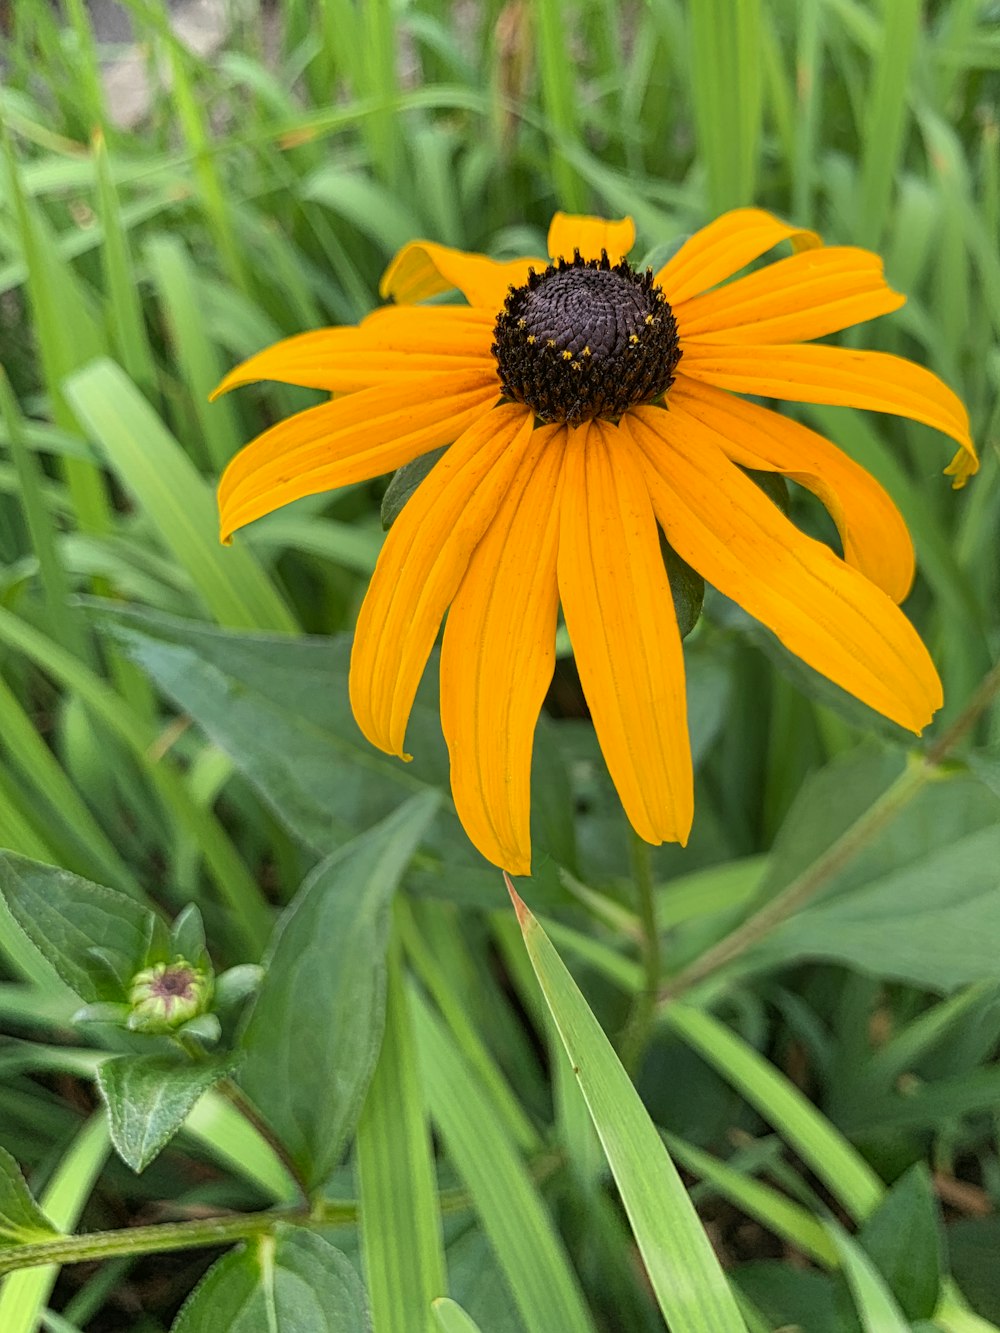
x: 262, y: 192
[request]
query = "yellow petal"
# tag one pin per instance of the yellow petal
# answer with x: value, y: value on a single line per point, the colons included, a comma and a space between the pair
x: 348, y: 440
x: 498, y: 656
x: 723, y: 248
x: 963, y: 465
x: 571, y: 231
x: 874, y: 380
x: 872, y: 529
x: 344, y: 359
x: 820, y: 608
x: 421, y: 566
x: 423, y: 269
x: 805, y: 296
x: 620, y: 617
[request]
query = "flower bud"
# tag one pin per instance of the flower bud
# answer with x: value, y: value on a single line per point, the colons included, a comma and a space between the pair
x: 165, y: 995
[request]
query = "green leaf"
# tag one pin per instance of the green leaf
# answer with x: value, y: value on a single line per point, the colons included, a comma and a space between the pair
x: 400, y: 1218
x: 690, y: 1286
x: 91, y: 935
x: 848, y: 1176
x: 405, y: 481
x: 903, y: 1239
x: 175, y: 498
x: 148, y: 1098
x: 280, y: 708
x: 290, y: 1282
x: 876, y: 1305
x: 313, y: 1035
x: 451, y: 1318
x: 933, y: 924
x: 21, y: 1219
x: 541, y: 1282
x: 687, y: 588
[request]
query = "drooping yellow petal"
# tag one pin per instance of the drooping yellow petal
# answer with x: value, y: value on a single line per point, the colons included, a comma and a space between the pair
x: 873, y: 532
x: 723, y: 248
x: 878, y: 381
x: 573, y: 231
x: 421, y: 566
x: 423, y: 269
x: 348, y: 440
x: 806, y: 296
x: 498, y: 656
x: 620, y: 617
x: 419, y: 341
x: 820, y: 608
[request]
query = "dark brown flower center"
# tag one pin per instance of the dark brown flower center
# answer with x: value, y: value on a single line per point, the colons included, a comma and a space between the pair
x: 586, y: 339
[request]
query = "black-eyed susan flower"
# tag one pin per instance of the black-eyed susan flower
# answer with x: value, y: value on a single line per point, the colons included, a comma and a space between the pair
x: 586, y: 405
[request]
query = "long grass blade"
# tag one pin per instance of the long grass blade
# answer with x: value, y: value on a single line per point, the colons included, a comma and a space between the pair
x: 690, y: 1286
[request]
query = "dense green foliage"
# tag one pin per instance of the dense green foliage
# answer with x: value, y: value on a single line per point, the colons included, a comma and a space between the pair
x: 807, y: 997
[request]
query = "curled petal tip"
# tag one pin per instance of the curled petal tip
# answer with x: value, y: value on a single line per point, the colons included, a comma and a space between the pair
x: 964, y: 465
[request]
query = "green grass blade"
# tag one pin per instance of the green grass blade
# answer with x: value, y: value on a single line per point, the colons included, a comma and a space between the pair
x: 23, y: 1296
x: 726, y: 88
x: 848, y: 1177
x: 249, y: 913
x: 197, y: 358
x: 884, y: 137
x: 66, y: 331
x: 772, y: 1209
x: 178, y: 502
x: 400, y: 1219
x: 228, y: 1136
x: 690, y: 1286
x: 559, y: 99
x: 63, y: 805
x: 39, y: 519
x: 523, y: 1237
x: 128, y: 327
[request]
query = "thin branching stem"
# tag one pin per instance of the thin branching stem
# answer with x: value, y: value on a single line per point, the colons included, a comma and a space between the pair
x: 840, y: 853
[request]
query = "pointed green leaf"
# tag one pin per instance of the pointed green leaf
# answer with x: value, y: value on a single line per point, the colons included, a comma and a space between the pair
x: 290, y: 1282
x: 280, y: 708
x: 314, y: 1032
x: 21, y: 1219
x: 876, y: 1306
x: 90, y: 934
x: 405, y: 481
x: 451, y: 1318
x: 148, y: 1098
x: 690, y: 1286
x: 903, y: 1239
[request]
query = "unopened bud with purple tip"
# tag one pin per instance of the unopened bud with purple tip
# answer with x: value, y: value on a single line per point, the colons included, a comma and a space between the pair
x: 166, y: 995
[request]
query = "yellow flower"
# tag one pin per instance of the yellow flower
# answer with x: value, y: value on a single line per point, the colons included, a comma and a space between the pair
x: 585, y: 404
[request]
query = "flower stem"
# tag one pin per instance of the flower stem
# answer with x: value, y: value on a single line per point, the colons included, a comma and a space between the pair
x: 152, y: 1239
x: 819, y: 874
x: 639, y: 1025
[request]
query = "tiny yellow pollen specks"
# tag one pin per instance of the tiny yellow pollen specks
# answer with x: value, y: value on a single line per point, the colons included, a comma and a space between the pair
x: 633, y: 340
x: 650, y: 319
x: 522, y: 323
x: 550, y: 342
x: 532, y: 339
x: 586, y: 352
x: 577, y: 365
x: 567, y: 355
